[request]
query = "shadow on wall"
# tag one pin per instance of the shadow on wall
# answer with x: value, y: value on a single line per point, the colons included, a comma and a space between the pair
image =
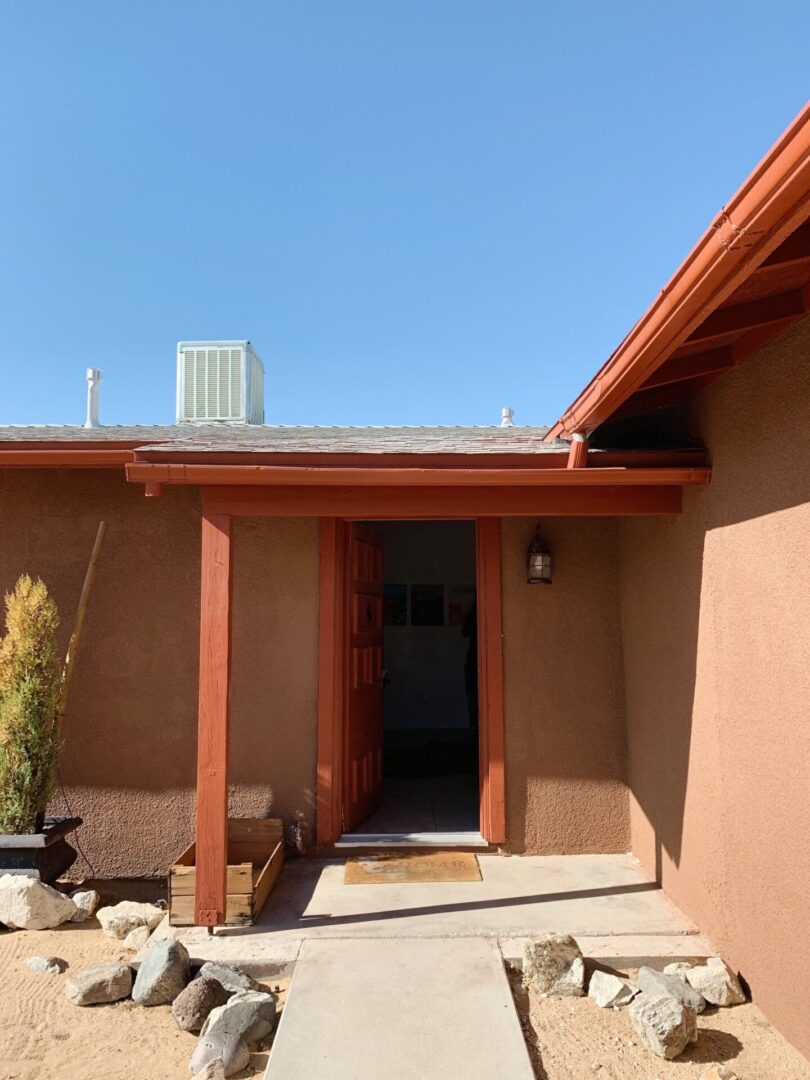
x: 712, y: 668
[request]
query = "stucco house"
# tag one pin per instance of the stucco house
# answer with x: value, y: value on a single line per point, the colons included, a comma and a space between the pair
x: 337, y: 627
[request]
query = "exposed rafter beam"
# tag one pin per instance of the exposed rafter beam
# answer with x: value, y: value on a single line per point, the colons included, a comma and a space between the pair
x: 754, y: 313
x: 680, y: 368
x: 796, y: 249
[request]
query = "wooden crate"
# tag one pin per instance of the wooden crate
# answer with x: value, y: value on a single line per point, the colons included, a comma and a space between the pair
x: 255, y: 858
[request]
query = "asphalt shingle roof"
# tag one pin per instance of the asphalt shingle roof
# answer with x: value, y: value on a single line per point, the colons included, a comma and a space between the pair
x: 269, y: 438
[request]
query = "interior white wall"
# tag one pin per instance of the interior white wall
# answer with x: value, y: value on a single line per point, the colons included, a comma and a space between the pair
x: 426, y: 663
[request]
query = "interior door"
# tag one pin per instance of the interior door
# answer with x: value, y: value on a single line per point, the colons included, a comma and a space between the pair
x: 363, y: 712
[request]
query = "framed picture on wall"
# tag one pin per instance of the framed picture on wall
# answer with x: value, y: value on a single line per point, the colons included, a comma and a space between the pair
x: 427, y: 605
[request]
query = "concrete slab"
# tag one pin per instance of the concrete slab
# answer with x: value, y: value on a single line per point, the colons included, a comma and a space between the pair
x: 603, y: 899
x: 623, y: 951
x: 406, y: 1010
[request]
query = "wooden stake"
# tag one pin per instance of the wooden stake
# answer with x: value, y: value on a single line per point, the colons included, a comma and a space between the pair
x: 75, y: 637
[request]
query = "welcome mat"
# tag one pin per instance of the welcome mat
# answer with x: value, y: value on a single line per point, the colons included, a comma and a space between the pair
x: 398, y: 869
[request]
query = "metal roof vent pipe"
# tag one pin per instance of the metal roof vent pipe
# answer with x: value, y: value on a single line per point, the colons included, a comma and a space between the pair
x: 507, y: 417
x: 93, y: 393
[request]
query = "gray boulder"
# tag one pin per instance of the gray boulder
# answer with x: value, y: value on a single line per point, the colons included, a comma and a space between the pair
x: 230, y: 1050
x: 666, y: 1026
x: 27, y: 903
x: 230, y: 977
x: 716, y: 982
x: 658, y: 982
x: 118, y: 920
x: 191, y: 1007
x: 164, y: 972
x: 553, y: 966
x: 99, y: 984
x: 86, y: 901
x: 610, y: 991
x: 250, y: 1015
x: 45, y: 965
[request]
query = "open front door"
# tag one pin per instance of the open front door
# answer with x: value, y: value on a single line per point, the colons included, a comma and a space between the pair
x: 363, y: 730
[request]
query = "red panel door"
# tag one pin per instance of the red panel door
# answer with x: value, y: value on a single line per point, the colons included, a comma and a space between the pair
x: 363, y: 733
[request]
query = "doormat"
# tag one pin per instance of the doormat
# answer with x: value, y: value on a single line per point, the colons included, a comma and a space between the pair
x: 411, y: 869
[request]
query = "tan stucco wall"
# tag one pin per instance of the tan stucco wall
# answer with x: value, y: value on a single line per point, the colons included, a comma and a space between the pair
x: 130, y: 737
x: 563, y: 692
x: 716, y: 609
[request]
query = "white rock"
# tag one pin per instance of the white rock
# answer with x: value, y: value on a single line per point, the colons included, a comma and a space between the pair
x: 118, y: 920
x: 666, y: 1026
x: 45, y: 965
x: 229, y: 1050
x: 719, y: 1072
x: 553, y: 966
x: 716, y: 982
x: 27, y: 903
x: 214, y: 1070
x: 86, y: 901
x: 655, y: 982
x: 610, y: 991
x: 679, y: 968
x: 137, y: 938
x: 249, y: 1015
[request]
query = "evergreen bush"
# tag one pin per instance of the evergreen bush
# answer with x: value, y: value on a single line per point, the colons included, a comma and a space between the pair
x: 30, y: 683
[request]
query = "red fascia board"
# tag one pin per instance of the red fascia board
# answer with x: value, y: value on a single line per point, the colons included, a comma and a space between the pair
x: 220, y: 456
x: 65, y: 458
x: 302, y: 476
x: 773, y: 201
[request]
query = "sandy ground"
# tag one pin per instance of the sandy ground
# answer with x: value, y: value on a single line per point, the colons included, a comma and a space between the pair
x: 44, y: 1037
x: 572, y: 1038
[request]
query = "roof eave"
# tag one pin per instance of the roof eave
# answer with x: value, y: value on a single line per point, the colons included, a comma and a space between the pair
x: 771, y: 203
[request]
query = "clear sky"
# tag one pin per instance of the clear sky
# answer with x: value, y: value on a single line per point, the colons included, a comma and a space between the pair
x: 417, y: 210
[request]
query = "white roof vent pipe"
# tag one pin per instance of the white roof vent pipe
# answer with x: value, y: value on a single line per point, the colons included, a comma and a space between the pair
x: 93, y: 393
x: 507, y: 417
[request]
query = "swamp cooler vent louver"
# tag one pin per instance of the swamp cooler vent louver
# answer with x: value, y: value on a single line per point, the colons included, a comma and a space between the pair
x: 219, y: 382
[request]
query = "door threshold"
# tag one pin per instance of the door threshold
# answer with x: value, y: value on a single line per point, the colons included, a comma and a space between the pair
x: 352, y: 841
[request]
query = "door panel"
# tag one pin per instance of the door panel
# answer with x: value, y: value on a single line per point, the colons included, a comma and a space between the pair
x: 363, y: 732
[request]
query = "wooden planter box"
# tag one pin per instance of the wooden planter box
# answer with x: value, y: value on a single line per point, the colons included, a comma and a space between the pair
x: 255, y: 858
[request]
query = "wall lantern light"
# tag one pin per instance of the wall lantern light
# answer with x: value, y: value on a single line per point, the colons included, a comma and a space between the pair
x: 538, y: 563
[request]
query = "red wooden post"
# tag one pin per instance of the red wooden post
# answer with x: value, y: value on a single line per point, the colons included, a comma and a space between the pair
x: 330, y: 681
x: 490, y: 681
x: 212, y: 731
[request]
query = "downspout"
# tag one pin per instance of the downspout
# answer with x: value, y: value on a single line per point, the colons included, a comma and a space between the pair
x: 578, y: 454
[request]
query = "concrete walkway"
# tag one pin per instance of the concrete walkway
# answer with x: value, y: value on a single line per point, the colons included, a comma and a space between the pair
x: 401, y: 1009
x: 606, y: 901
x: 407, y: 981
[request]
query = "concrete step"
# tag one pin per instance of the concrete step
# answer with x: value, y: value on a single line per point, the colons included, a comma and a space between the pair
x: 437, y: 1009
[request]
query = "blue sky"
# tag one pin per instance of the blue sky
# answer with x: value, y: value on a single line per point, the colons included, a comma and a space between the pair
x: 417, y: 210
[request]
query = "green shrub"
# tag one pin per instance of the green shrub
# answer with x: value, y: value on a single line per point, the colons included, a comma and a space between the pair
x: 30, y: 683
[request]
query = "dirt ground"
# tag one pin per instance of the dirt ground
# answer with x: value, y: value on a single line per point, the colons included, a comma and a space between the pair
x: 572, y: 1038
x: 44, y: 1037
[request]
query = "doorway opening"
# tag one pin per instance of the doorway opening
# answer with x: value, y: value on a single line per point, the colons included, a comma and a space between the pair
x: 412, y: 702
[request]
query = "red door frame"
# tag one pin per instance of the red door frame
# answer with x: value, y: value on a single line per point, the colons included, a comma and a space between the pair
x: 332, y: 668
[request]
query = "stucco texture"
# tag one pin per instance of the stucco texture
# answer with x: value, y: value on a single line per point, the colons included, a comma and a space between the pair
x: 566, y: 764
x: 715, y: 610
x: 129, y: 759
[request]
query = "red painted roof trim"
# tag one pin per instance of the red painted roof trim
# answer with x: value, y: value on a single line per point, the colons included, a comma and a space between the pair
x: 772, y: 202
